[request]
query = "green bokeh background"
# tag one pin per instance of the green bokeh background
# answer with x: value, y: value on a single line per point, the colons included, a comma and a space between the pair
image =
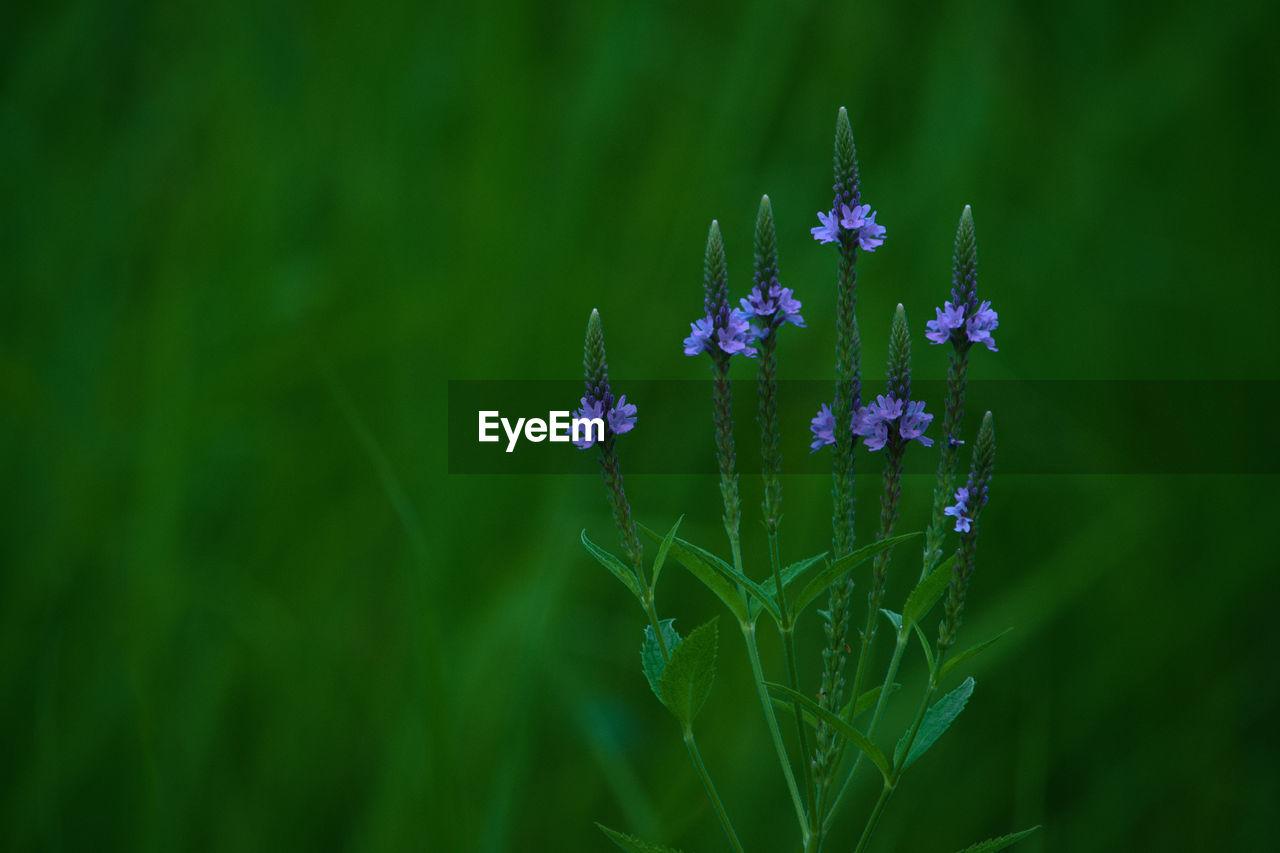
x: 244, y: 247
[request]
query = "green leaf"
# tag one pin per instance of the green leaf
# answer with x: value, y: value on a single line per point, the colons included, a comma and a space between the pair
x: 936, y: 721
x: 732, y: 574
x: 865, y: 701
x: 702, y: 570
x: 613, y: 564
x: 651, y: 659
x: 854, y: 736
x: 661, y: 556
x: 994, y: 844
x: 924, y: 644
x: 950, y: 665
x: 894, y: 619
x: 790, y: 575
x: 793, y: 571
x: 928, y: 591
x: 635, y: 845
x: 687, y: 680
x: 840, y: 568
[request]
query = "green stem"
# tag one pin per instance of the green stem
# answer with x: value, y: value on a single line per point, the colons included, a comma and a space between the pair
x: 892, y: 781
x: 657, y: 627
x: 711, y: 789
x: 863, y: 654
x: 787, y: 631
x: 874, y: 818
x: 757, y: 673
x: 903, y: 641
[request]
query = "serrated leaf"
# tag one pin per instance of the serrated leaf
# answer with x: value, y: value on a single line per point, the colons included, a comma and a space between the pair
x: 634, y: 845
x: 703, y: 571
x: 651, y: 659
x: 992, y: 845
x: 950, y: 665
x: 791, y: 573
x: 928, y: 591
x: 895, y: 619
x: 847, y: 731
x: 840, y: 568
x: 937, y: 719
x: 661, y: 556
x: 687, y: 680
x: 615, y: 566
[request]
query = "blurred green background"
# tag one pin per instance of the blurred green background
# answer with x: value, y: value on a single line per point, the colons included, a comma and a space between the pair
x: 244, y: 247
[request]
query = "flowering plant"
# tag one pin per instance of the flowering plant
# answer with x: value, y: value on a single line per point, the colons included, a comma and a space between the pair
x: 816, y: 763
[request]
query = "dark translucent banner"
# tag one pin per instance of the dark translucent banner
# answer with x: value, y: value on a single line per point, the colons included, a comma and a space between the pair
x: 1042, y: 427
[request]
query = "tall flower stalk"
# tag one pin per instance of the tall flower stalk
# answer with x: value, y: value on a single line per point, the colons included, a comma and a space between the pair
x: 680, y: 670
x: 852, y: 227
x: 961, y: 322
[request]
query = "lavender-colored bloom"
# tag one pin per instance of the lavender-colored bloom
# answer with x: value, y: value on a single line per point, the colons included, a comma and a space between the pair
x: 858, y: 220
x: 829, y: 230
x: 622, y: 417
x: 855, y: 217
x: 950, y: 317
x: 734, y: 338
x: 589, y: 410
x: 959, y: 510
x: 914, y: 422
x: 872, y: 422
x: 778, y: 307
x: 979, y: 327
x: 871, y: 234
x: 874, y: 431
x: 699, y: 336
x: 909, y: 418
x: 884, y: 409
x: 823, y: 427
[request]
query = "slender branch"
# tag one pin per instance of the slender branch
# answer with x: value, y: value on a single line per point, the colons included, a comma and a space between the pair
x: 757, y: 673
x: 711, y: 789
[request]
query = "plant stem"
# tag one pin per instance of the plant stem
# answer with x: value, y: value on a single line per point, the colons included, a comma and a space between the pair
x: 903, y: 638
x: 757, y: 673
x: 657, y: 627
x: 787, y: 631
x: 711, y: 789
x: 874, y: 818
x: 892, y: 781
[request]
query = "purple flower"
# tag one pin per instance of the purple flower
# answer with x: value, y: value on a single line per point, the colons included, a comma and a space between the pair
x: 589, y: 410
x: 779, y: 307
x: 829, y: 230
x: 699, y: 336
x: 733, y: 339
x: 980, y: 326
x: 823, y: 427
x: 873, y: 422
x: 950, y: 317
x: 914, y: 422
x: 871, y: 234
x: 853, y: 218
x: 618, y: 420
x: 959, y: 509
x: 622, y: 417
x: 858, y: 220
